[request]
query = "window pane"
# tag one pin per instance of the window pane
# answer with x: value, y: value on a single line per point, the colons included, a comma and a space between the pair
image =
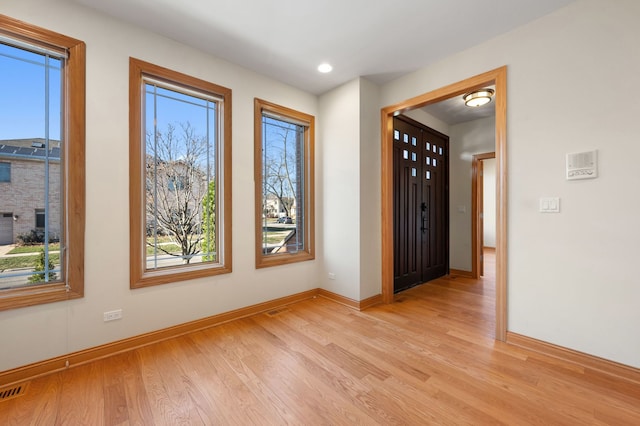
x: 181, y: 199
x: 5, y: 172
x: 31, y: 149
x: 40, y: 218
x: 282, y: 186
x: 283, y: 155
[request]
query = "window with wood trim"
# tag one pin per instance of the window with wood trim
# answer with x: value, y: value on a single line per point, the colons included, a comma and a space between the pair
x: 42, y: 149
x: 180, y: 176
x: 283, y: 155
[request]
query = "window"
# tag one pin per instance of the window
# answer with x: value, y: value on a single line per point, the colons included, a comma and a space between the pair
x: 284, y: 143
x: 176, y: 183
x: 180, y: 171
x: 41, y: 221
x: 5, y: 172
x: 42, y: 125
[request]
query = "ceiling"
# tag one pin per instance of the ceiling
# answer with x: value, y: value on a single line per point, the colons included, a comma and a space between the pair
x: 454, y: 111
x: 287, y: 39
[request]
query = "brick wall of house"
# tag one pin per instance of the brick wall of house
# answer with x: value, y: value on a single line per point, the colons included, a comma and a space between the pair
x: 25, y: 193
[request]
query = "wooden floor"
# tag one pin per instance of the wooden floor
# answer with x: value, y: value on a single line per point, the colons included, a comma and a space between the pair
x: 430, y: 358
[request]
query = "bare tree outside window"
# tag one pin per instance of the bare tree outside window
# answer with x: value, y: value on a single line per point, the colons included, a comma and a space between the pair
x: 180, y: 176
x: 180, y: 169
x: 280, y: 177
x: 284, y: 184
x: 176, y: 168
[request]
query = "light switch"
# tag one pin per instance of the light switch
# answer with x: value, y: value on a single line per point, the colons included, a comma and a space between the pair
x: 550, y: 205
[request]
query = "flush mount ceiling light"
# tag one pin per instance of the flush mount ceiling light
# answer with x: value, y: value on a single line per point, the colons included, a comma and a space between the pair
x: 325, y: 68
x: 478, y: 97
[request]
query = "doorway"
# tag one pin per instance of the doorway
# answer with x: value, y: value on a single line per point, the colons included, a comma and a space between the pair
x: 6, y: 228
x: 495, y: 77
x: 421, y: 203
x: 478, y: 212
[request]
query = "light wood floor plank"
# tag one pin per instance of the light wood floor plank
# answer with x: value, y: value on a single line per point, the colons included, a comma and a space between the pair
x: 430, y: 358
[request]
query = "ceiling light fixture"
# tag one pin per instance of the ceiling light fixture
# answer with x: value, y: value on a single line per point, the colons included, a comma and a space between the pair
x: 478, y: 98
x: 325, y: 68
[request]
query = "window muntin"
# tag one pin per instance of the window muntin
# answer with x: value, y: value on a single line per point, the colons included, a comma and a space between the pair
x: 42, y: 122
x: 180, y: 150
x: 284, y: 184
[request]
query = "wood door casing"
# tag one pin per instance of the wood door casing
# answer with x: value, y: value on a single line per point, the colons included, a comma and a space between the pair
x: 421, y: 203
x: 481, y: 214
x: 497, y: 77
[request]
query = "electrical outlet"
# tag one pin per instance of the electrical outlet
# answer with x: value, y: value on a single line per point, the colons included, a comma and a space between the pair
x: 332, y: 276
x: 113, y: 315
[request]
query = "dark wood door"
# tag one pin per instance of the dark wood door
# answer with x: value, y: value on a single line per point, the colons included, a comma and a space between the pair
x: 421, y: 203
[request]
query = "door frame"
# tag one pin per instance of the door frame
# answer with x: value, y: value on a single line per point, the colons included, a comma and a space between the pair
x: 497, y: 77
x: 476, y: 208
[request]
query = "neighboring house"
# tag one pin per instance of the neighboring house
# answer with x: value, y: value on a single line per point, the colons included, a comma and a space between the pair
x: 179, y: 190
x: 274, y: 207
x: 22, y: 187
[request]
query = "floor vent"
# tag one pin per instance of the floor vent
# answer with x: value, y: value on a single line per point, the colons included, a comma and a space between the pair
x: 13, y: 392
x: 275, y: 312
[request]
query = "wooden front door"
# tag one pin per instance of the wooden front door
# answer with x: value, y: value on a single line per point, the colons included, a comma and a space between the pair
x: 421, y: 203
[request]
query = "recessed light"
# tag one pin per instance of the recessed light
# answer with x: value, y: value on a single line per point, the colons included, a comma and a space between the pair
x: 325, y: 68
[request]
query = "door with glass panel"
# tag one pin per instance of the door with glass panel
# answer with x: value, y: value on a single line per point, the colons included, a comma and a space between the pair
x: 421, y: 203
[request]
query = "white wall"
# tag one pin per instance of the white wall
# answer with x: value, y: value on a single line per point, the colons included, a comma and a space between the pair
x: 489, y: 202
x: 350, y: 159
x: 571, y: 276
x: 428, y: 120
x: 339, y: 163
x: 370, y: 181
x: 465, y: 141
x: 41, y: 332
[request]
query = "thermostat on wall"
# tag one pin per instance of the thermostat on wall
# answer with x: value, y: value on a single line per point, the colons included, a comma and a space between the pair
x: 582, y: 165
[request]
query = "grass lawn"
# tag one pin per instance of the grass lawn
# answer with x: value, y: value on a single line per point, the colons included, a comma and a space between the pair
x: 34, y: 249
x: 25, y: 261
x: 274, y: 237
x: 161, y: 239
x: 170, y: 247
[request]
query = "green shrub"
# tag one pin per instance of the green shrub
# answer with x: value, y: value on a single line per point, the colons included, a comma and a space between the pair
x: 39, y: 266
x: 35, y: 236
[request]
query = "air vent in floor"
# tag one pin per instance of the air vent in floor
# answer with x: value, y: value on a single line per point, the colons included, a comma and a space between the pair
x: 275, y: 312
x: 12, y: 392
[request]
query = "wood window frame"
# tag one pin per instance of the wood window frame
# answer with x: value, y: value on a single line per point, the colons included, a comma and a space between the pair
x: 73, y: 171
x: 139, y: 276
x: 308, y: 253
